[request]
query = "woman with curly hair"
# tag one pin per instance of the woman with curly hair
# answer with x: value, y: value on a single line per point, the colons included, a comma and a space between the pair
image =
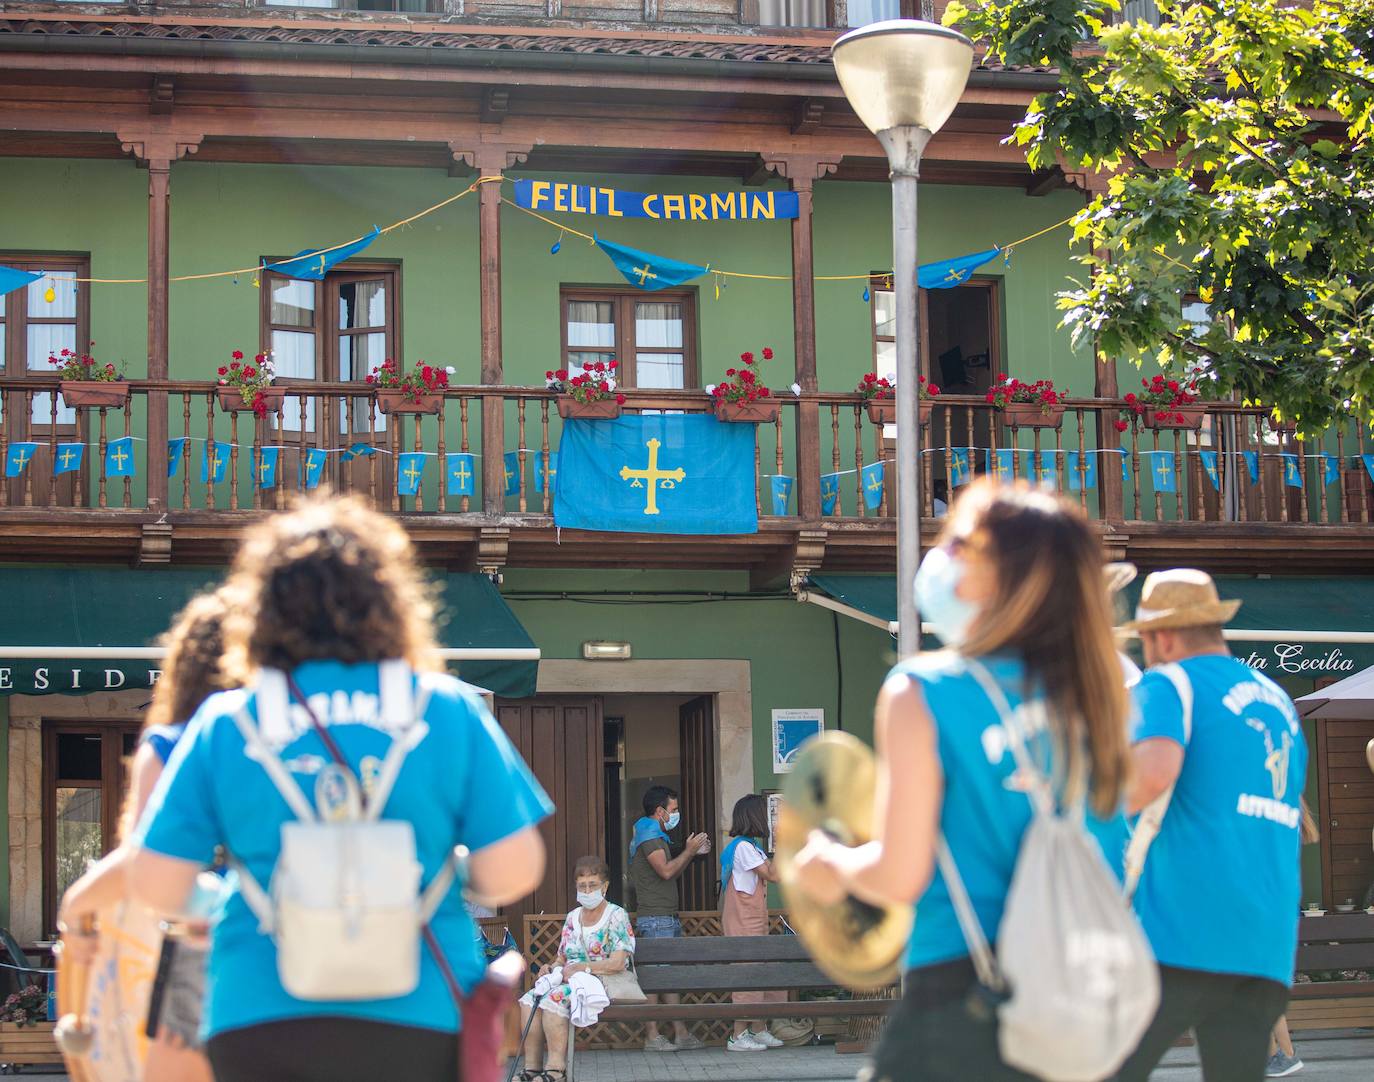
x: 331, y: 630
x: 190, y: 673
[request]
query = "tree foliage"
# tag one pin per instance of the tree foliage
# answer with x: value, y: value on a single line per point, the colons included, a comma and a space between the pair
x: 1239, y: 133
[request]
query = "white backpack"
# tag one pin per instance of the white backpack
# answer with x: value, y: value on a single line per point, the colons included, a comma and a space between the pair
x: 1076, y: 978
x: 1152, y: 816
x: 345, y: 909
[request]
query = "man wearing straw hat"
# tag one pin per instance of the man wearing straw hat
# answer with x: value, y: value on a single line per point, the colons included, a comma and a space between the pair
x: 1220, y: 762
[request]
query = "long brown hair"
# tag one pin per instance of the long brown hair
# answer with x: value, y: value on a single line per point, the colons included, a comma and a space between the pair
x: 332, y: 579
x: 191, y: 668
x: 1050, y: 607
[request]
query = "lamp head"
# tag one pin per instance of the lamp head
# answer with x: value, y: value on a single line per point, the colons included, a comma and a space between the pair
x: 903, y: 73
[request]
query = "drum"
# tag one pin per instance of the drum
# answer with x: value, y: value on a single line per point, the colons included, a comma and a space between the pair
x: 103, y: 1006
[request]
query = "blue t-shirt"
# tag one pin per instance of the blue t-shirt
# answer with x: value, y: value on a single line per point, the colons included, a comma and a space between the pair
x: 1221, y: 887
x: 982, y: 818
x: 163, y: 739
x: 464, y: 784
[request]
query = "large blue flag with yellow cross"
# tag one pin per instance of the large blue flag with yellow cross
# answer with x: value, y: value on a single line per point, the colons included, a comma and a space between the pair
x: 688, y: 474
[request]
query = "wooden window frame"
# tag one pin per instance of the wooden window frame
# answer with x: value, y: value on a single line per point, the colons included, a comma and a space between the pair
x: 113, y: 768
x: 326, y: 338
x: 883, y: 282
x: 625, y: 349
x: 15, y: 319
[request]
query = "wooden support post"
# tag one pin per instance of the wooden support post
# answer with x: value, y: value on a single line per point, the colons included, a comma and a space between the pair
x: 156, y: 151
x: 490, y: 160
x: 802, y: 173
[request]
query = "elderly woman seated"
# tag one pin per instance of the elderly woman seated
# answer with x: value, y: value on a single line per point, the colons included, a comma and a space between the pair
x: 597, y: 940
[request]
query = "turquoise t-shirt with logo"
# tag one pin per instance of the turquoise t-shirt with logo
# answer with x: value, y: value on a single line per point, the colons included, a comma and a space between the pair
x: 463, y: 784
x: 982, y: 816
x: 1221, y: 889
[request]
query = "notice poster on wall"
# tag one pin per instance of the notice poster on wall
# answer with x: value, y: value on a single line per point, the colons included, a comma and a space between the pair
x: 774, y: 797
x: 791, y: 729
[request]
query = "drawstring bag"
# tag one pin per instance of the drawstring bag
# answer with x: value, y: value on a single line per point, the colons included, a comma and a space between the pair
x: 1074, y: 979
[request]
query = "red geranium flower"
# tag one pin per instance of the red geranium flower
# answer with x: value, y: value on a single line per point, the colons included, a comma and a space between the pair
x: 223, y: 371
x: 767, y: 354
x: 1121, y: 426
x: 237, y: 354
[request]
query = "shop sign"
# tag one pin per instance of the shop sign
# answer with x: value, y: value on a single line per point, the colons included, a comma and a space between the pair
x: 1300, y: 659
x: 57, y: 678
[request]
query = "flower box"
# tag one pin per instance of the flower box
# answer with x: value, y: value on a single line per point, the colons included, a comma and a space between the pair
x: 605, y: 409
x: 1186, y: 417
x: 94, y: 392
x: 883, y: 411
x: 28, y: 1045
x: 394, y: 401
x: 1033, y: 415
x: 230, y: 399
x: 760, y: 411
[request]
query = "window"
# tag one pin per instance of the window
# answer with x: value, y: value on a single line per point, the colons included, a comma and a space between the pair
x: 652, y: 341
x: 85, y: 778
x: 33, y: 328
x: 335, y: 331
x: 823, y: 13
x: 418, y: 7
x: 884, y: 325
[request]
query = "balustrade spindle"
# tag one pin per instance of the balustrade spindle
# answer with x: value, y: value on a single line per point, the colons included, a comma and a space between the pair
x: 1364, y: 485
x: 1259, y: 465
x: 947, y: 416
x: 463, y: 445
x: 395, y: 431
x: 52, y: 451
x: 927, y: 467
x: 186, y: 451
x: 280, y: 441
x: 835, y: 463
x: 1135, y: 468
x: 1343, y: 490
x: 323, y: 409
x: 778, y: 455
x: 103, y: 501
x: 544, y: 462
x: 1081, y: 466
x: 520, y: 450
x: 860, y: 508
x: 211, y: 451
x: 256, y: 492
x: 1323, y: 510
x: 372, y: 458
x: 440, y: 451
x: 419, y: 504
x: 1303, y: 506
x: 1159, y: 496
x: 128, y: 431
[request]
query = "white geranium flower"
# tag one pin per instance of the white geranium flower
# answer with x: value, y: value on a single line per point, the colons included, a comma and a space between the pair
x: 710, y: 388
x: 450, y: 370
x: 796, y: 389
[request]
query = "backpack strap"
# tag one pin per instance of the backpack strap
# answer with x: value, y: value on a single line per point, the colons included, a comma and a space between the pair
x: 1152, y: 816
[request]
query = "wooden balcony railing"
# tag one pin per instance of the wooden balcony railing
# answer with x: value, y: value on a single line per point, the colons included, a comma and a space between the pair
x: 1237, y: 468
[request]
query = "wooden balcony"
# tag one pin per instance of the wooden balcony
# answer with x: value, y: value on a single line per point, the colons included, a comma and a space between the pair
x: 1311, y: 502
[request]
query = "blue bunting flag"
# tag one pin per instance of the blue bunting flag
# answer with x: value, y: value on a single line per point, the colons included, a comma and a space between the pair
x: 782, y: 492
x: 18, y: 458
x: 830, y: 492
x: 460, y: 473
x: 213, y: 463
x: 176, y: 451
x: 1209, y: 467
x: 314, y: 466
x: 647, y: 271
x: 1047, y: 469
x: 872, y: 477
x: 1002, y: 463
x: 552, y: 458
x: 948, y: 273
x: 312, y: 264
x: 11, y: 278
x: 1162, y: 474
x: 119, y: 457
x: 1084, y: 478
x: 1332, y: 471
x: 1292, y: 474
x: 69, y: 457
x: 265, y: 466
x: 960, y: 467
x: 410, y: 470
x: 1368, y: 464
x: 512, y: 473
x: 1252, y: 465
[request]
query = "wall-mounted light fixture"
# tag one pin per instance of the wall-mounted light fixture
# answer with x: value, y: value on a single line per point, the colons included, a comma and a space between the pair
x: 606, y: 651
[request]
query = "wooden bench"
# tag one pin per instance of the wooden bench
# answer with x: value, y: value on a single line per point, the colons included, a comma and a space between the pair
x: 1336, y: 941
x: 730, y: 964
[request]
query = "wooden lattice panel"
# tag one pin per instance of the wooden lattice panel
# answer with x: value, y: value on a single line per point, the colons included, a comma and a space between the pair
x: 542, y: 934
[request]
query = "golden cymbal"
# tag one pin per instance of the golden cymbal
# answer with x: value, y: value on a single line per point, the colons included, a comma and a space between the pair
x: 831, y: 788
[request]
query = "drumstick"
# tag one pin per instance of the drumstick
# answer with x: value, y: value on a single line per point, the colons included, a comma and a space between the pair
x: 73, y: 1032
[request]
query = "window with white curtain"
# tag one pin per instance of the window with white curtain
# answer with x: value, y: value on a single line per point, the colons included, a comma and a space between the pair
x: 652, y: 340
x: 34, y: 328
x: 336, y: 331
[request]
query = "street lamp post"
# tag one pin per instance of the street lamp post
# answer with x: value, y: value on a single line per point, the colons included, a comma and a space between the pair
x: 903, y: 78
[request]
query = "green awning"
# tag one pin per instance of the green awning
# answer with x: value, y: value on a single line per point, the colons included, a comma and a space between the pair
x: 99, y: 623
x: 1304, y: 627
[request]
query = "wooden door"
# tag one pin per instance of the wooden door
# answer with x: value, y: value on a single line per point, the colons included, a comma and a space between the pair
x: 1347, y: 815
x: 561, y: 740
x: 697, y: 736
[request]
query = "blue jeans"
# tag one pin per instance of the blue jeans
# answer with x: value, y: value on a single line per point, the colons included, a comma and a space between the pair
x: 658, y: 928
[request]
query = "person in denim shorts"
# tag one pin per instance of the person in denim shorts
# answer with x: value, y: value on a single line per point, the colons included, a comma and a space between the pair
x: 654, y: 871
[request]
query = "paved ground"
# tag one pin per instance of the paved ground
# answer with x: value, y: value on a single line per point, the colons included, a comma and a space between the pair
x: 1347, y: 1056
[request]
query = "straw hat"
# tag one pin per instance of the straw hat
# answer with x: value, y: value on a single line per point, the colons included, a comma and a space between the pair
x: 1181, y: 597
x: 1118, y: 576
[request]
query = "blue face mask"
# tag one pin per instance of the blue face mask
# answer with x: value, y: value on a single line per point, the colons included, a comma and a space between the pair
x: 937, y: 599
x: 673, y: 821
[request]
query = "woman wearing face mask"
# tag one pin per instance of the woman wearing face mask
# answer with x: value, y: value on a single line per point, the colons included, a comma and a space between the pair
x: 597, y: 939
x: 745, y: 873
x: 1015, y: 587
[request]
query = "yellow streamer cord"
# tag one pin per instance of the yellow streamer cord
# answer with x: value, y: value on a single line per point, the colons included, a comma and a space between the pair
x: 497, y: 179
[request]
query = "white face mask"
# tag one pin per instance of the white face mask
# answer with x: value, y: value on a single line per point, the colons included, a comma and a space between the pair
x: 673, y: 821
x: 591, y: 901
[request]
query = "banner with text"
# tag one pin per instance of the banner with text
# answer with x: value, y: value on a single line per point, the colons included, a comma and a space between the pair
x: 564, y: 198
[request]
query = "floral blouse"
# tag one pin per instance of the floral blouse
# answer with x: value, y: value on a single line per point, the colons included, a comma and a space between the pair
x: 597, y: 942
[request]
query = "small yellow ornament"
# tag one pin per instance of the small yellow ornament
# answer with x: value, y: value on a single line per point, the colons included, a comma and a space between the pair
x: 50, y: 294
